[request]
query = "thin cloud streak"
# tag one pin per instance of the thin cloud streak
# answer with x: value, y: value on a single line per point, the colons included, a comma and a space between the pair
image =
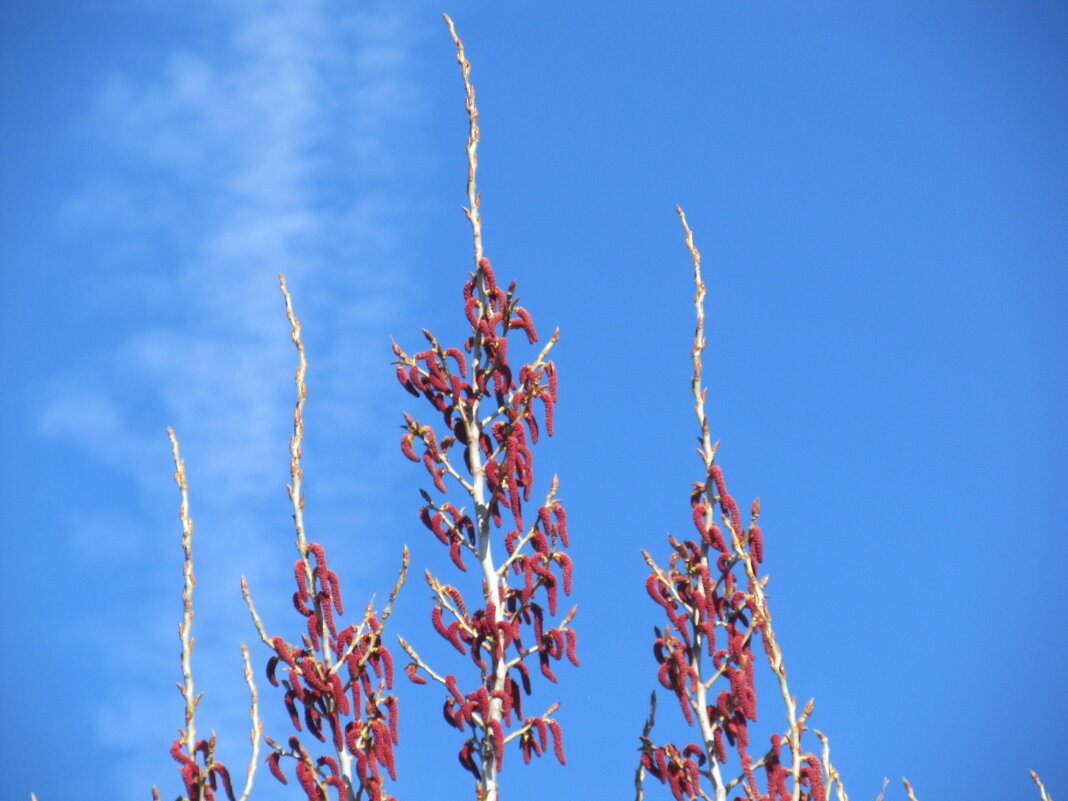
x: 221, y: 171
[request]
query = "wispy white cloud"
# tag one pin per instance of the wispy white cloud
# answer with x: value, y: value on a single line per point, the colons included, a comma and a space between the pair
x: 270, y: 154
x: 273, y: 150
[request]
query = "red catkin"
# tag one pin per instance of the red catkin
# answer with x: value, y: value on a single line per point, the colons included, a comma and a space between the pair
x: 306, y: 778
x: 561, y: 523
x: 489, y: 280
x: 756, y: 543
x: 566, y: 567
x: 558, y: 741
x: 498, y: 742
x: 413, y: 675
x: 275, y: 768
x: 572, y: 641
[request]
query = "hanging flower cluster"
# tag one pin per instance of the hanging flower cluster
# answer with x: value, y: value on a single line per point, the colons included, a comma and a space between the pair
x: 715, y: 610
x: 201, y: 781
x: 337, y: 678
x: 492, y: 414
x: 336, y: 683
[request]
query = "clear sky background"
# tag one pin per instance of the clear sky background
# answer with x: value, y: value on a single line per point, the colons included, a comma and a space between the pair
x: 880, y: 191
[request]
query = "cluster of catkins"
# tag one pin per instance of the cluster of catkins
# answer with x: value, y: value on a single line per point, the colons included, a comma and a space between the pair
x: 329, y: 686
x: 489, y: 411
x: 201, y: 782
x: 709, y: 614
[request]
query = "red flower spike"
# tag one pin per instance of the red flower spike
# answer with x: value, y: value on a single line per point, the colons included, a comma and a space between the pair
x: 387, y: 665
x: 545, y: 669
x: 191, y: 779
x: 756, y: 543
x: 308, y: 669
x: 558, y: 741
x: 544, y: 513
x: 384, y: 748
x: 291, y: 708
x: 522, y: 320
x: 549, y: 582
x: 394, y: 718
x: 489, y: 280
x: 541, y: 544
x: 272, y: 666
x: 516, y: 696
x: 337, y: 689
x: 179, y: 755
x: 661, y: 762
x: 314, y: 722
x: 572, y: 641
x: 561, y: 523
x: 812, y: 775
x: 306, y: 778
x: 352, y: 742
x: 509, y: 542
x: 566, y: 568
x: 457, y: 558
x: 548, y: 412
x: 402, y: 376
x: 300, y: 606
x: 715, y: 538
x: 450, y: 684
x: 466, y: 757
x: 276, y: 770
x: 328, y: 612
x: 461, y: 360
x: 653, y: 586
x: 302, y: 580
x: 498, y: 742
x: 320, y: 562
x: 456, y: 597
x: 721, y: 747
x: 556, y: 646
x: 330, y: 762
x: 335, y: 591
x: 413, y: 675
x: 699, y: 510
x: 439, y: 625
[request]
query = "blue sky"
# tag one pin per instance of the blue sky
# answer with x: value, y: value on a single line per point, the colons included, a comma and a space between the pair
x: 880, y: 198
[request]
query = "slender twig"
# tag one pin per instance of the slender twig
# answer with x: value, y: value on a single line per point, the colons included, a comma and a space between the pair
x: 708, y: 454
x: 402, y: 576
x: 1041, y: 788
x: 257, y: 724
x: 639, y: 775
x: 833, y: 777
x: 908, y: 789
x: 295, y: 442
x: 252, y: 610
x: 408, y: 649
x: 185, y: 628
x: 518, y: 733
x: 473, y: 196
